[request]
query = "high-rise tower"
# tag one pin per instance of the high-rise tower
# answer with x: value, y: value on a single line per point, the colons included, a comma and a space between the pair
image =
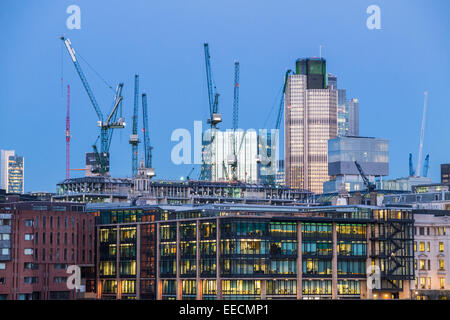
x: 310, y: 121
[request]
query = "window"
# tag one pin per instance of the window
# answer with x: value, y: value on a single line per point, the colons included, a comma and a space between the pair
x: 28, y: 252
x: 421, y: 231
x: 30, y: 266
x: 2, y: 266
x: 5, y: 251
x: 29, y: 236
x: 422, y: 264
x: 441, y: 264
x: 422, y: 246
x: 29, y: 280
x: 415, y: 246
x: 428, y: 247
x: 2, y: 280
x: 5, y: 236
x: 442, y: 283
x: 59, y: 279
x: 441, y: 246
x: 28, y: 222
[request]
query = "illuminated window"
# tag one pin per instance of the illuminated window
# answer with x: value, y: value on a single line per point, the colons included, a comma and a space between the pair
x: 442, y: 283
x: 441, y: 246
x: 422, y: 246
x: 441, y: 264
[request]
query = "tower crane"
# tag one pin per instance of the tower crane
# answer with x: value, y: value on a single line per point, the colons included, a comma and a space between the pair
x: 411, y: 168
x: 208, y: 170
x: 147, y: 147
x: 232, y: 159
x: 271, y: 177
x: 369, y: 185
x: 106, y: 127
x: 134, y: 138
x: 426, y: 165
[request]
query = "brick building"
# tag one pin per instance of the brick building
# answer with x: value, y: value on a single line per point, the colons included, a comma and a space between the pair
x: 38, y: 240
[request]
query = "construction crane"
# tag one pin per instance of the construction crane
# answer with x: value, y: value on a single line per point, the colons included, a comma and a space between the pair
x: 281, y: 107
x: 411, y: 168
x: 134, y: 138
x: 68, y: 136
x: 208, y: 170
x: 369, y: 185
x: 426, y: 165
x: 106, y: 127
x: 147, y: 147
x: 232, y: 159
x: 271, y: 177
x: 188, y: 177
x: 422, y: 132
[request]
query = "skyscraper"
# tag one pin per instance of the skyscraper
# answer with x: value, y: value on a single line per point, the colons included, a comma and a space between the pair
x: 12, y: 172
x: 310, y: 121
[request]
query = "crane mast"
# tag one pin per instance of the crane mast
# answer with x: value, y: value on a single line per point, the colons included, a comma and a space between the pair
x: 134, y: 138
x: 68, y: 136
x: 147, y: 148
x: 232, y: 160
x: 209, y: 170
x: 106, y: 127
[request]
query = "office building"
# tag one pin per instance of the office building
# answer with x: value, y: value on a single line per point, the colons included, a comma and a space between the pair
x: 38, y: 241
x: 12, y: 172
x: 431, y: 255
x: 402, y: 184
x: 372, y: 155
x: 445, y: 173
x: 245, y: 145
x: 148, y: 191
x: 226, y: 251
x: 310, y: 121
x: 347, y: 110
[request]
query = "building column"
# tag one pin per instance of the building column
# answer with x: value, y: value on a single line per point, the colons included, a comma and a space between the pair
x: 97, y: 265
x: 158, y: 267
x: 368, y: 290
x: 198, y: 282
x: 218, y: 271
x: 334, y: 271
x: 178, y: 280
x: 118, y: 293
x: 138, y: 261
x: 299, y: 262
x: 263, y: 289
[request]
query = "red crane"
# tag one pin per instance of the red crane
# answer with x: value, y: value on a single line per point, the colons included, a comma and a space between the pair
x: 68, y: 134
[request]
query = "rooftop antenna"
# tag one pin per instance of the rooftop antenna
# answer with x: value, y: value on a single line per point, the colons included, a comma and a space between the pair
x: 320, y: 51
x: 422, y: 131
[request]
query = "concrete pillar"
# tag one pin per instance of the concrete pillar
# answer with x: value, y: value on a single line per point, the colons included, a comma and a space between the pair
x: 178, y: 279
x: 299, y: 262
x: 218, y: 271
x: 334, y: 271
x: 197, y: 256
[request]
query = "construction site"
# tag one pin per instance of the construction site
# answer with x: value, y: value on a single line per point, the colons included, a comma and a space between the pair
x: 237, y: 166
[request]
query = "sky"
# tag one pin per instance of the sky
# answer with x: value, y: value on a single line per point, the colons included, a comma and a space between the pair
x: 388, y: 70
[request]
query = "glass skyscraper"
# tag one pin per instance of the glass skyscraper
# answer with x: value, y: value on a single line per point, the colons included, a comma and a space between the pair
x: 12, y: 172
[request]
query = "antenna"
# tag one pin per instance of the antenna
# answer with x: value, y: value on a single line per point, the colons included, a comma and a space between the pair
x: 320, y: 51
x: 422, y: 131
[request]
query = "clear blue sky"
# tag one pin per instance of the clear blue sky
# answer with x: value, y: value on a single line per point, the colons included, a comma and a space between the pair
x: 387, y: 70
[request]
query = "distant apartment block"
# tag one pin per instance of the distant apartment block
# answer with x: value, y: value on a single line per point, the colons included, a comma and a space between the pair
x: 12, y: 172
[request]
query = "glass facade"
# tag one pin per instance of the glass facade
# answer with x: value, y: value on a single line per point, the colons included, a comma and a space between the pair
x: 252, y: 252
